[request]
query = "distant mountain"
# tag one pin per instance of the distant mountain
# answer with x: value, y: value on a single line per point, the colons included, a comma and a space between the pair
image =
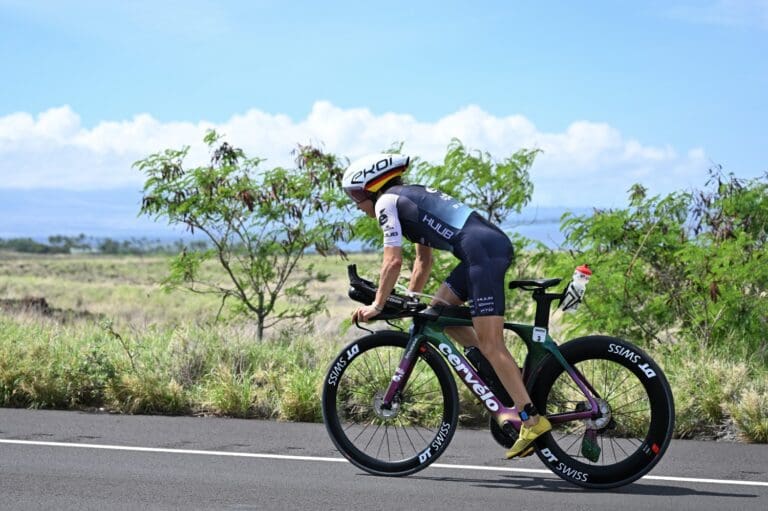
x: 113, y: 214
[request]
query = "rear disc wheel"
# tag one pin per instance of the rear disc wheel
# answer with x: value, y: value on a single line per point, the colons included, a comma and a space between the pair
x: 634, y: 425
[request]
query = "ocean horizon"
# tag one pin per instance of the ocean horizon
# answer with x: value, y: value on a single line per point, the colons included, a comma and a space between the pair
x: 114, y: 214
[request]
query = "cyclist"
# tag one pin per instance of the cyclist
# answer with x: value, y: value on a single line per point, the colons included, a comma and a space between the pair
x: 432, y: 219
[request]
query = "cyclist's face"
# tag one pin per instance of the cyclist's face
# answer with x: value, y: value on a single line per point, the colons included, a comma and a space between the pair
x: 366, y: 207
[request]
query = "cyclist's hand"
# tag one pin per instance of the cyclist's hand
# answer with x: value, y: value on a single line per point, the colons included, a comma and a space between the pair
x: 365, y: 313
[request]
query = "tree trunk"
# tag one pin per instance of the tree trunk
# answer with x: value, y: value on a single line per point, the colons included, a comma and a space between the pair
x: 260, y: 329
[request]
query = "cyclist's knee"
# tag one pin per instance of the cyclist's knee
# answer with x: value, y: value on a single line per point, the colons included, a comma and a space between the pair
x: 491, y: 345
x: 445, y: 295
x: 464, y: 335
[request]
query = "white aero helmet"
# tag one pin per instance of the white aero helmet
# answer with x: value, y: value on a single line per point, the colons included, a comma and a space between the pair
x: 369, y: 174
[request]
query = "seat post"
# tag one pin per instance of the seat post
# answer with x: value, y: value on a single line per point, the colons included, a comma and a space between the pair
x: 544, y: 306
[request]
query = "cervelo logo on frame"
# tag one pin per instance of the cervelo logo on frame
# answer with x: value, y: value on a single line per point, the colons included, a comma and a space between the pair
x: 483, y: 392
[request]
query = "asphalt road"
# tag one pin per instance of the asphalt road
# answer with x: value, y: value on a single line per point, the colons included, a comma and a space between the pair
x: 71, y: 460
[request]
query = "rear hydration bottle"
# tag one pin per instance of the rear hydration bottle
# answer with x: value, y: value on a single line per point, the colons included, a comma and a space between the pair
x: 575, y: 291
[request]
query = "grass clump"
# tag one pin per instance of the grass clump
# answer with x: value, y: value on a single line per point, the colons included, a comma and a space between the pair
x: 300, y: 399
x: 702, y: 386
x: 215, y: 370
x: 220, y: 370
x: 148, y: 393
x: 750, y: 413
x: 45, y: 365
x: 235, y: 394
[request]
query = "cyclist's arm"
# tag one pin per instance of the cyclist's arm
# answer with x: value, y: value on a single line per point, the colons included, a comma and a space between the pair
x: 390, y: 271
x: 387, y: 215
x: 422, y: 266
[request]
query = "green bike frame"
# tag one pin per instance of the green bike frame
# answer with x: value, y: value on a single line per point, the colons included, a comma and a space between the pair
x: 429, y: 328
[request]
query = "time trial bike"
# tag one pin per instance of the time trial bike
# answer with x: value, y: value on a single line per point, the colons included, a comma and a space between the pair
x: 391, y: 406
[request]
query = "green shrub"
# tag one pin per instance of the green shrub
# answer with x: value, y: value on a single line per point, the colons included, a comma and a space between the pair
x: 686, y: 268
x: 472, y: 414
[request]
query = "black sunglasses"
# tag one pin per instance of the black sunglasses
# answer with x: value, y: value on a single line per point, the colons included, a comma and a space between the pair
x: 358, y: 195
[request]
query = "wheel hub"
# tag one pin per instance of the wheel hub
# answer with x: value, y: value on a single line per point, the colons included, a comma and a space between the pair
x: 605, y: 416
x: 385, y: 412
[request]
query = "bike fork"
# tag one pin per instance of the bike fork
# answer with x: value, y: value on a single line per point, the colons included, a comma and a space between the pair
x: 403, y: 372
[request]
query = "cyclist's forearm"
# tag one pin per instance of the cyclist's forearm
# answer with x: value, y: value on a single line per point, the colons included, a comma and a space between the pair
x: 422, y: 266
x: 390, y: 271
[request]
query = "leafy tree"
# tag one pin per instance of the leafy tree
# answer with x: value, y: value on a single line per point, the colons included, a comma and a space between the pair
x: 259, y: 222
x: 632, y: 253
x: 68, y: 243
x: 727, y: 264
x: 495, y: 189
x: 688, y: 267
x: 30, y: 246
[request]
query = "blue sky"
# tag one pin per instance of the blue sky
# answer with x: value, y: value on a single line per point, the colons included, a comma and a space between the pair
x: 614, y: 92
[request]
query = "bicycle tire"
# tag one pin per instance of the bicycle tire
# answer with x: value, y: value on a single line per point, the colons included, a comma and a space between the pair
x: 641, y: 405
x: 419, y: 427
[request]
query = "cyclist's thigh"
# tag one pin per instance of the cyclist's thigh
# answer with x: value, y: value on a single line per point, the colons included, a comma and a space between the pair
x: 487, y: 263
x: 457, y: 284
x: 487, y: 253
x: 486, y: 287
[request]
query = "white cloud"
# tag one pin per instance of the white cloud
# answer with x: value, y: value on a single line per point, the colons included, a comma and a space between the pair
x: 734, y: 13
x: 587, y: 164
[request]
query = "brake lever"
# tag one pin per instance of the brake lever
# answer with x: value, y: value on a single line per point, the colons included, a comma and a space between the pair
x: 357, y: 324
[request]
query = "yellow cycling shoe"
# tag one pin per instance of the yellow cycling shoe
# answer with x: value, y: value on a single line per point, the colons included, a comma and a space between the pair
x: 523, y: 446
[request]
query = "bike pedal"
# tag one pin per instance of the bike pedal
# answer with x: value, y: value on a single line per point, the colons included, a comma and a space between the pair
x: 530, y: 450
x: 527, y: 452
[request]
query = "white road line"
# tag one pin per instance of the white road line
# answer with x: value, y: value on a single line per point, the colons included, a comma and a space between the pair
x: 173, y: 451
x: 342, y: 460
